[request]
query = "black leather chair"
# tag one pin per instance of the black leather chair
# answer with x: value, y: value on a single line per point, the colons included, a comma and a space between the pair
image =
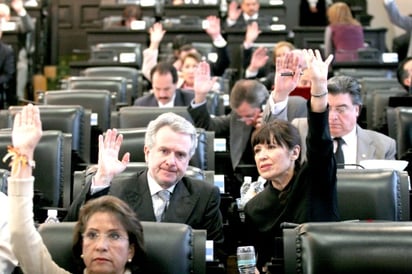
x: 132, y: 75
x: 53, y: 186
x: 137, y: 116
x: 98, y: 101
x: 349, y: 247
x: 171, y: 248
x: 373, y: 194
x: 71, y: 119
x: 399, y: 128
x: 133, y: 142
x: 116, y: 85
x: 122, y: 53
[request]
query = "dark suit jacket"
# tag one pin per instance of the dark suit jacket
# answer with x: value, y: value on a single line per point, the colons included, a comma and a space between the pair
x: 239, y: 132
x: 193, y: 202
x: 7, y: 74
x: 183, y: 98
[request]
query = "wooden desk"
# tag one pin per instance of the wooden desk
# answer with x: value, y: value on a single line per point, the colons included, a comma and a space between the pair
x: 95, y: 36
x: 193, y: 10
x: 117, y: 9
x: 313, y: 37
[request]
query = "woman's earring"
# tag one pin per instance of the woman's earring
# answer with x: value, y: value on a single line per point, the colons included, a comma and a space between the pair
x: 81, y: 256
x: 129, y: 260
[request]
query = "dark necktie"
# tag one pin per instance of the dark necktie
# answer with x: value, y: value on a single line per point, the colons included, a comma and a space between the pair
x: 340, y: 159
x: 164, y: 195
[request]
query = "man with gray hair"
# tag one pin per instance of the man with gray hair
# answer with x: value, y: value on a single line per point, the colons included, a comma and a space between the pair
x: 170, y: 142
x: 251, y: 105
x: 357, y: 144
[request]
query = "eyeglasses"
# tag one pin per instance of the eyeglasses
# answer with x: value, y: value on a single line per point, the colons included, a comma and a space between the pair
x: 113, y: 237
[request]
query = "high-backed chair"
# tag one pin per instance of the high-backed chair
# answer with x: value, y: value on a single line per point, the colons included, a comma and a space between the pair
x: 4, y: 118
x: 399, y: 128
x: 137, y: 116
x: 132, y: 75
x: 98, y: 101
x: 373, y: 194
x: 53, y: 169
x: 133, y: 142
x: 348, y: 247
x: 71, y: 119
x: 116, y: 85
x: 171, y: 248
x: 375, y: 103
x: 122, y: 52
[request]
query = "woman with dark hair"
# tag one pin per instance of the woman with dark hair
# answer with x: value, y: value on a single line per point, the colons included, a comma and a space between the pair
x: 108, y: 237
x: 293, y: 193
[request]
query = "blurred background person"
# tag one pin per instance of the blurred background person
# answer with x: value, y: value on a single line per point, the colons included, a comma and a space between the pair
x: 402, y: 21
x: 313, y: 12
x: 344, y: 34
x: 25, y: 29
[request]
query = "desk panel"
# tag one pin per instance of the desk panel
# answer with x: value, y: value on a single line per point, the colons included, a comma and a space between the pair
x: 313, y: 37
x: 95, y: 36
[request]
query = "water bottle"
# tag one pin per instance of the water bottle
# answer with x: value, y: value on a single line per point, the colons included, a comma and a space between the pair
x: 246, y: 260
x: 52, y: 216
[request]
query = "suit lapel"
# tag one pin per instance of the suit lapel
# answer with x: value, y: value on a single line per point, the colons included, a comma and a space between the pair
x: 136, y: 193
x: 365, y: 148
x: 239, y: 136
x: 182, y: 204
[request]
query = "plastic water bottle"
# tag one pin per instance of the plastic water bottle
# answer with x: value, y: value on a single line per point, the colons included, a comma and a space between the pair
x: 52, y: 216
x: 246, y: 260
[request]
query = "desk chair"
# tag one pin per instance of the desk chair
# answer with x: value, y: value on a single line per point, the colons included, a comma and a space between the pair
x: 399, y: 128
x: 171, y: 248
x: 98, y: 101
x: 132, y: 75
x: 373, y: 194
x: 71, y: 119
x: 137, y: 116
x: 348, y: 247
x: 116, y: 85
x: 377, y: 110
x: 53, y: 173
x: 122, y: 52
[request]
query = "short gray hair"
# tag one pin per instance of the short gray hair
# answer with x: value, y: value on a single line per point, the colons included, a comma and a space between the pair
x: 177, y: 123
x: 345, y: 84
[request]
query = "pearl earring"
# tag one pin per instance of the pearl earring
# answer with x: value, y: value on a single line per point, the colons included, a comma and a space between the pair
x: 81, y: 256
x: 129, y: 260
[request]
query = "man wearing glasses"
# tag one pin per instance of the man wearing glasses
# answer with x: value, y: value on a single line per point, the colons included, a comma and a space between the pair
x: 251, y: 105
x: 345, y: 103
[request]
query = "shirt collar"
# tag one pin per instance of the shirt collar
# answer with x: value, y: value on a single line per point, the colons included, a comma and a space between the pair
x: 154, y: 187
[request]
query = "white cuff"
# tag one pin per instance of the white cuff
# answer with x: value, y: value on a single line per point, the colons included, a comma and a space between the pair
x: 94, y: 189
x: 220, y: 42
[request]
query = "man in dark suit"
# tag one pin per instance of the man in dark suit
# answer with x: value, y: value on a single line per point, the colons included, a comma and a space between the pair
x: 238, y: 17
x: 247, y: 100
x: 170, y: 142
x: 165, y: 92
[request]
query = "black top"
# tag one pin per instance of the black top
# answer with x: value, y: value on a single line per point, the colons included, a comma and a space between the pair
x: 310, y: 196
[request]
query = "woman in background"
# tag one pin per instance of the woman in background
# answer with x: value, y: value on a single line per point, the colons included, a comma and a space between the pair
x: 344, y: 34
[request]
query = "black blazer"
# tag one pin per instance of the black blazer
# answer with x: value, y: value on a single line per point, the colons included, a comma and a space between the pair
x: 183, y: 98
x: 193, y: 202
